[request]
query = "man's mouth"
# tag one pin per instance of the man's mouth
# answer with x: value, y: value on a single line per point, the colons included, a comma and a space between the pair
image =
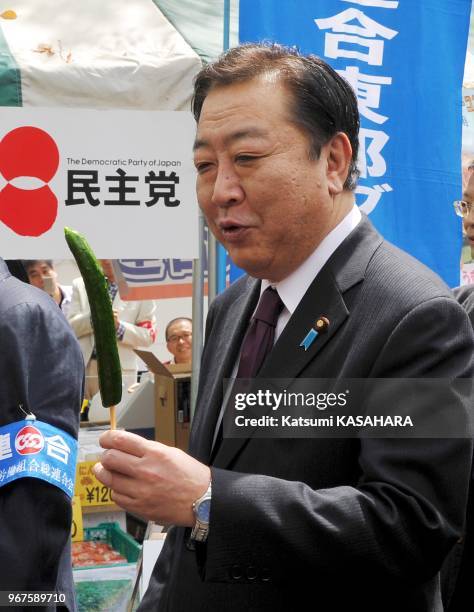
x: 232, y: 230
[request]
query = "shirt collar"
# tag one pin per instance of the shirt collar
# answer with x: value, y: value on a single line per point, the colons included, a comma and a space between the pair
x: 292, y: 288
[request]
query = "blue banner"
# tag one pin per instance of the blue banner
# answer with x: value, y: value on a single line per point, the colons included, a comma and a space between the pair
x: 34, y: 449
x: 405, y: 60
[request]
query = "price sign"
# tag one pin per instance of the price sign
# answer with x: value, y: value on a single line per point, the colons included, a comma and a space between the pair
x: 77, y: 531
x: 88, y: 488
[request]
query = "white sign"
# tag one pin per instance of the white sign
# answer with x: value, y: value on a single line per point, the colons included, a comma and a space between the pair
x: 123, y: 179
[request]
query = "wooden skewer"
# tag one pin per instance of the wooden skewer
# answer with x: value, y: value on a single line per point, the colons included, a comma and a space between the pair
x: 113, y: 418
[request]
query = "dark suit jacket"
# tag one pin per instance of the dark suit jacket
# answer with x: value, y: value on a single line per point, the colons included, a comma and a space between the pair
x: 41, y: 367
x: 347, y: 524
x: 459, y: 567
x: 465, y: 296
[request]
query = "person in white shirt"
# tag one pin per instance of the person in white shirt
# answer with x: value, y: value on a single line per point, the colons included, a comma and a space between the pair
x: 135, y: 325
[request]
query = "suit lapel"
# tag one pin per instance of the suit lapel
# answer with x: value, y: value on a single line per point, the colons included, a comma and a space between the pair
x: 287, y: 358
x: 227, y: 344
x: 325, y: 297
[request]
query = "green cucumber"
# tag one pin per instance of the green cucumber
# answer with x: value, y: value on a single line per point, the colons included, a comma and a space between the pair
x: 102, y: 317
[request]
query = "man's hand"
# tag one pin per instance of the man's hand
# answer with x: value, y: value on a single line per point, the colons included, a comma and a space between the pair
x: 116, y: 319
x: 155, y: 481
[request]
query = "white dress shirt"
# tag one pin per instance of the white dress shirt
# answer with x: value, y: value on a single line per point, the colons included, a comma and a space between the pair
x: 292, y: 289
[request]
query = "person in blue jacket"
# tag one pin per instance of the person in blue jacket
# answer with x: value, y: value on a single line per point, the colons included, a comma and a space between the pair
x: 41, y: 389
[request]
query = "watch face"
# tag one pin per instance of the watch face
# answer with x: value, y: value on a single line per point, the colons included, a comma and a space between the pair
x: 204, y: 510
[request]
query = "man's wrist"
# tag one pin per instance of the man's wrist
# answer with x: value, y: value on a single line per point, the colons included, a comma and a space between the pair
x: 202, y: 512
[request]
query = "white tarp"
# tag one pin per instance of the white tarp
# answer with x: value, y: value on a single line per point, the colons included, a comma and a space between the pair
x: 100, y: 54
x: 201, y: 22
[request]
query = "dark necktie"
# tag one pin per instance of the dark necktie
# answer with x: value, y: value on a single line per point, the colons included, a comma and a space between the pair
x: 258, y: 341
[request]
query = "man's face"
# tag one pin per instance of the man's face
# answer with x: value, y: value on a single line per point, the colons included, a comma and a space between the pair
x: 265, y: 200
x: 108, y: 269
x: 38, y: 271
x: 468, y: 222
x: 179, y: 343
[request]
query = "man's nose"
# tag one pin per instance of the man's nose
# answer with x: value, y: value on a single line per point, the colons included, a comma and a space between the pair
x: 227, y: 188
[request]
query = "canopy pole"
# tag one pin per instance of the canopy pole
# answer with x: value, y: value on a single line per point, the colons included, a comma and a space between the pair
x: 198, y: 311
x: 212, y: 266
x: 226, y: 24
x: 216, y: 269
x: 221, y: 256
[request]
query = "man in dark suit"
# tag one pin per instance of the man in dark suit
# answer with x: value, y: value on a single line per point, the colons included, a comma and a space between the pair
x: 459, y: 566
x: 293, y: 524
x: 41, y: 374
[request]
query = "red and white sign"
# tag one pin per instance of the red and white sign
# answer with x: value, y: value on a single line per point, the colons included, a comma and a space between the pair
x: 124, y: 179
x: 29, y: 440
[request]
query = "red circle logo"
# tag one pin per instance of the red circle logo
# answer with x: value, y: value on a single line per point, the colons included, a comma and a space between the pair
x: 29, y: 440
x: 28, y: 152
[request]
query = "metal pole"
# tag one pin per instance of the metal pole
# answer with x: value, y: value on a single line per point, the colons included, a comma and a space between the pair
x: 212, y: 267
x: 221, y: 255
x: 198, y: 311
x: 226, y: 24
x: 215, y: 267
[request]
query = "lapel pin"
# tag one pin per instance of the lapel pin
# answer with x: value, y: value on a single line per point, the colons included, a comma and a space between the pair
x: 320, y: 326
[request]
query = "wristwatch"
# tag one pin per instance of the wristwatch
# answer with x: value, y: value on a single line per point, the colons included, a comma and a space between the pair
x: 202, y: 509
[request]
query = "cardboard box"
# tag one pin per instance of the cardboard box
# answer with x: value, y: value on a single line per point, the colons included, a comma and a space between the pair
x: 172, y: 399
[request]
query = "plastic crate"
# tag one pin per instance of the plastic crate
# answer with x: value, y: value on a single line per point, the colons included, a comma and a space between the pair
x: 107, y: 587
x: 118, y: 539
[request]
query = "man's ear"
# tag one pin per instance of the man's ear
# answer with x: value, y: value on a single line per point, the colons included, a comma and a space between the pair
x: 339, y: 155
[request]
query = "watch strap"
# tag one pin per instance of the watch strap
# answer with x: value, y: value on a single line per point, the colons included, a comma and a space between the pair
x: 200, y: 530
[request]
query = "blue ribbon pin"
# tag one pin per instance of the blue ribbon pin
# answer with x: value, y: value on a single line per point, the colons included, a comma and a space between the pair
x: 321, y: 325
x: 309, y: 339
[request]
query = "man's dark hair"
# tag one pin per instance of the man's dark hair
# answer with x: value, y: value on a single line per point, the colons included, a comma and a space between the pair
x: 29, y: 263
x: 17, y: 269
x: 173, y: 321
x: 323, y: 102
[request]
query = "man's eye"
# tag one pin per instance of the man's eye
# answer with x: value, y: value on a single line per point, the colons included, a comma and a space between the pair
x: 202, y: 167
x: 245, y: 158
